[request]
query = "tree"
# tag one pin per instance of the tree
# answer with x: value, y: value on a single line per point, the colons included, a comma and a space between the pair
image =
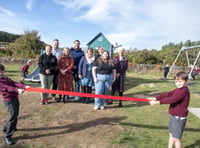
x: 27, y: 46
x: 187, y: 43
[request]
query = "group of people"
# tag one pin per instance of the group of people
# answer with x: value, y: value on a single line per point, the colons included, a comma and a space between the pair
x: 107, y: 75
x: 61, y: 68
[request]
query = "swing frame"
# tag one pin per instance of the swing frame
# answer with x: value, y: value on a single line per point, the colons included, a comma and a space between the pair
x: 183, y: 48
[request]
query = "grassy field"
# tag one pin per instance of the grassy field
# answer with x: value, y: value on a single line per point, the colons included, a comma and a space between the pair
x: 142, y: 125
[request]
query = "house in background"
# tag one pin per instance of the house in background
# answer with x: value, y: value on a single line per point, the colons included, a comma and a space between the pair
x: 101, y: 40
x: 3, y: 44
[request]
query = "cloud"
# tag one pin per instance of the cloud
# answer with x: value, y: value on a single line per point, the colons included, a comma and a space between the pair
x: 7, y: 12
x: 100, y: 12
x: 142, y: 22
x: 29, y: 4
x: 16, y: 24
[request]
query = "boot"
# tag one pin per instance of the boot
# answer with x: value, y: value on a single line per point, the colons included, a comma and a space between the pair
x: 65, y: 98
x: 83, y: 100
x: 84, y: 89
x: 8, y: 140
x: 120, y: 101
x: 89, y: 91
x: 120, y: 104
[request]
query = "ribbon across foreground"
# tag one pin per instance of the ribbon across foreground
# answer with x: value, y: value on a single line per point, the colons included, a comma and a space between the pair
x: 61, y: 92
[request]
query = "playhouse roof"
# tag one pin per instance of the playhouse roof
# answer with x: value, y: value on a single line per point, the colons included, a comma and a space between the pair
x: 98, y: 35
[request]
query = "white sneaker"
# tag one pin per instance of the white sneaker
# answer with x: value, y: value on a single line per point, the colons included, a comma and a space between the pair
x: 96, y: 108
x: 102, y: 108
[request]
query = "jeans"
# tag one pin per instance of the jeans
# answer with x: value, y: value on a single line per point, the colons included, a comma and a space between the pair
x: 102, y: 87
x: 76, y: 83
x: 46, y: 81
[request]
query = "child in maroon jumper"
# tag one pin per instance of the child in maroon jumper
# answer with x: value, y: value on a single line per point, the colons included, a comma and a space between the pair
x: 24, y: 70
x: 10, y: 91
x: 179, y: 100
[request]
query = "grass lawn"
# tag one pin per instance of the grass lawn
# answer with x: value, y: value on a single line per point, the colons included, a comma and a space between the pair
x: 143, y: 126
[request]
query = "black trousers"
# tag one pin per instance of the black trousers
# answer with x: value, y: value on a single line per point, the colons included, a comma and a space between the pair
x: 13, y: 110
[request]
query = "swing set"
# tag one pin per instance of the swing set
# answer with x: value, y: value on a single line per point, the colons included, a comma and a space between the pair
x: 186, y: 49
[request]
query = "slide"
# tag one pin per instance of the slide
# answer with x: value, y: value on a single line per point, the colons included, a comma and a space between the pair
x: 34, y: 76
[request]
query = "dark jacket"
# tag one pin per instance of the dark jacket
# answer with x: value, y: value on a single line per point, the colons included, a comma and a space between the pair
x: 47, y: 62
x: 121, y: 66
x: 9, y: 88
x: 77, y: 55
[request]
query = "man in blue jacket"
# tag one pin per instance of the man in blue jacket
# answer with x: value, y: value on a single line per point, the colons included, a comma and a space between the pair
x: 77, y: 54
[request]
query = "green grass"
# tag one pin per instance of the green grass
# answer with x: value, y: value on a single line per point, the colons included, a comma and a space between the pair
x: 147, y: 126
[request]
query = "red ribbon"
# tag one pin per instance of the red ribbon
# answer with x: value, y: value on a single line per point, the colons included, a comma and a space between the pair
x: 61, y: 92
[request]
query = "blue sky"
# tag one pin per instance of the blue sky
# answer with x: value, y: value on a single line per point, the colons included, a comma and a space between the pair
x: 133, y: 23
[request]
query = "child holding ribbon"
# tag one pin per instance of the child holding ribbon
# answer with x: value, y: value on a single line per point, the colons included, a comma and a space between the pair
x: 179, y: 100
x: 10, y: 91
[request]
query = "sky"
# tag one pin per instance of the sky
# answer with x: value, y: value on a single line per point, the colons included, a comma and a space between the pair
x: 141, y: 24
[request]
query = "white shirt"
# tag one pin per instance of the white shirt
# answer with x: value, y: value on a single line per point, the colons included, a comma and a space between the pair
x: 57, y: 52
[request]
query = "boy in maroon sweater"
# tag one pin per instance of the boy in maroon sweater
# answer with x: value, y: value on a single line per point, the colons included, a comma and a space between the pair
x: 179, y: 100
x: 10, y: 91
x: 24, y: 70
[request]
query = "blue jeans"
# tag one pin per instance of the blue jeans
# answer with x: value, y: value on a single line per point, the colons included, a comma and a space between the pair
x: 76, y: 83
x: 102, y: 87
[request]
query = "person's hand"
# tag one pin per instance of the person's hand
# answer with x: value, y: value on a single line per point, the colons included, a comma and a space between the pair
x: 62, y: 71
x: 152, y: 98
x: 47, y: 71
x: 27, y: 87
x: 152, y: 103
x: 20, y: 91
x: 113, y: 81
x: 95, y: 80
x: 80, y: 76
x: 110, y: 88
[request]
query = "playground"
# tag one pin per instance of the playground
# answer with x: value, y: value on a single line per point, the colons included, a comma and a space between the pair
x: 77, y: 125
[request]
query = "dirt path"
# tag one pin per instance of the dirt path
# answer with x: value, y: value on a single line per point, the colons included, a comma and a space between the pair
x: 71, y: 125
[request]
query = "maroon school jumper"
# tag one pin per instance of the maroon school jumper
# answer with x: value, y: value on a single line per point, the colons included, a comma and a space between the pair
x: 8, y: 88
x: 178, y: 99
x: 25, y: 68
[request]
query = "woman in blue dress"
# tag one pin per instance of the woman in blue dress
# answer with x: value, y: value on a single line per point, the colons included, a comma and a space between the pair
x: 85, y: 73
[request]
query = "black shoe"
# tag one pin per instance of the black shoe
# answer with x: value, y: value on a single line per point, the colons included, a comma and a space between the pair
x: 83, y: 100
x: 109, y: 102
x: 87, y: 101
x: 64, y: 100
x: 58, y: 100
x: 120, y: 105
x: 8, y: 140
